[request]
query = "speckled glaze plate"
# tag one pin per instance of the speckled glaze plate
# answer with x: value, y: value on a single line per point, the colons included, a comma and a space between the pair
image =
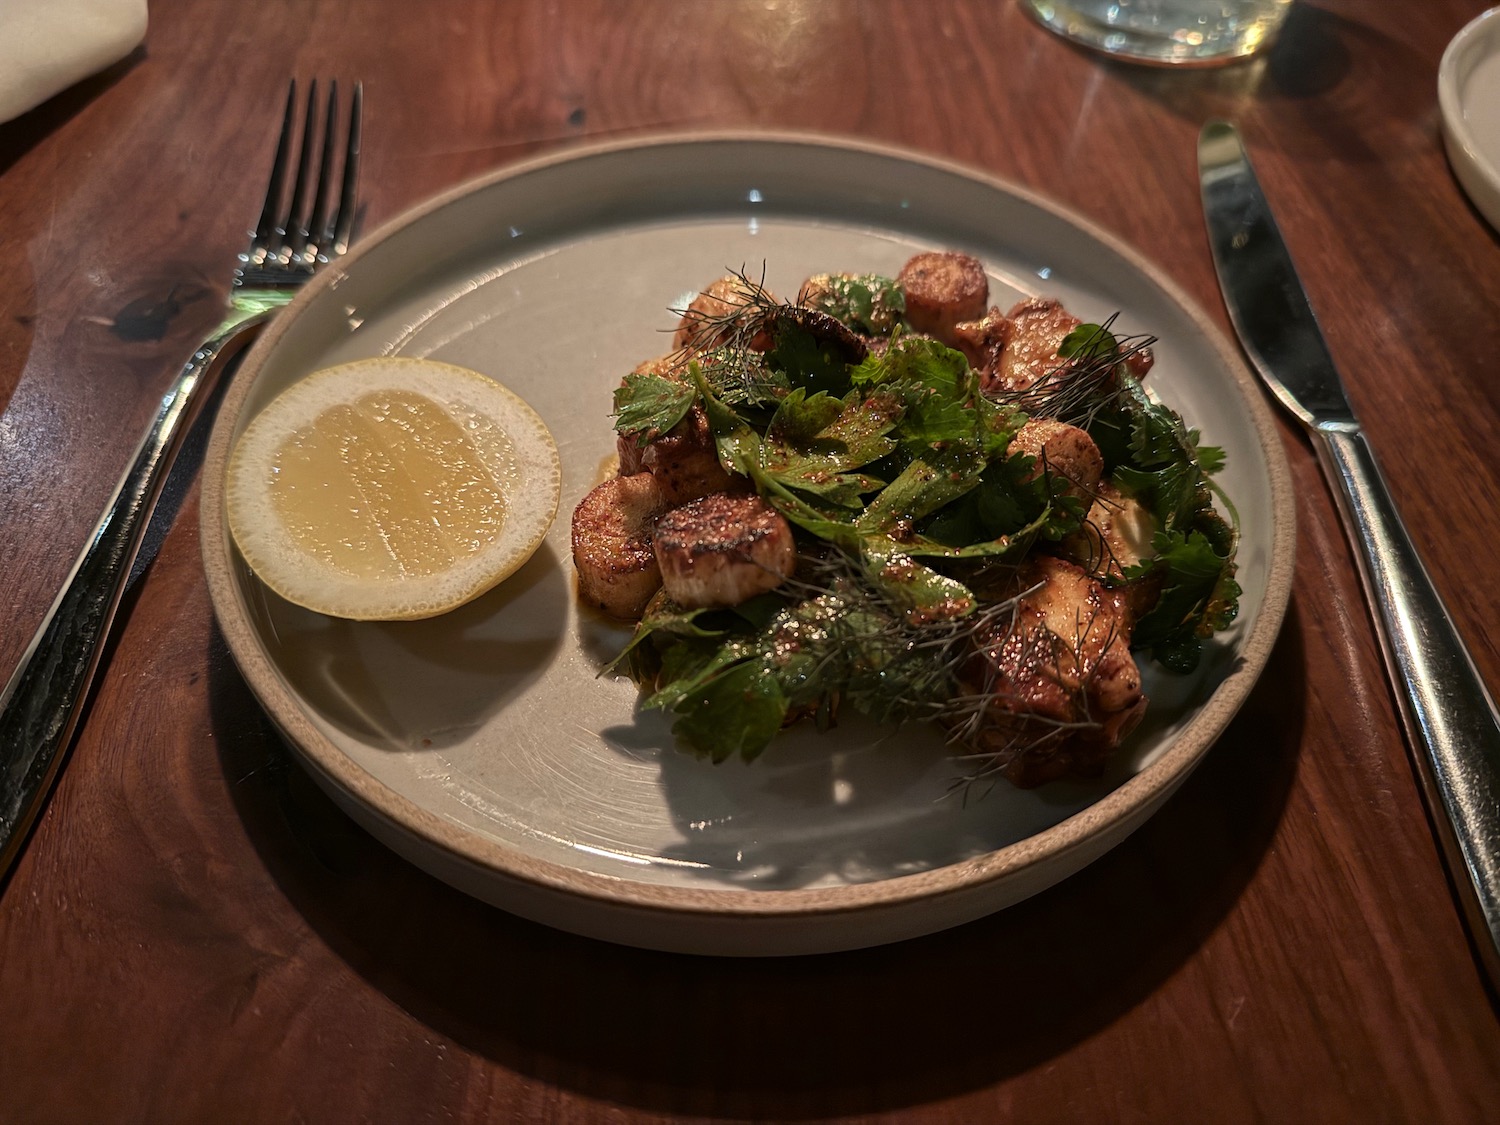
x: 486, y: 747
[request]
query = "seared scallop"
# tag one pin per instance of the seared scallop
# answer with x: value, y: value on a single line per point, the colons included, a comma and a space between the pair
x: 707, y: 321
x: 723, y: 549
x: 617, y: 570
x: 983, y: 341
x: 1062, y: 450
x: 1116, y: 534
x: 684, y: 460
x: 1062, y: 687
x: 942, y: 288
x: 1038, y: 326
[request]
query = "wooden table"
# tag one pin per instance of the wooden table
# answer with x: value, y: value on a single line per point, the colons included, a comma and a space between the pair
x: 195, y: 933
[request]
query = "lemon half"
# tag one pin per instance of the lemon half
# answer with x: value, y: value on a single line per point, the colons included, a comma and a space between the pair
x: 392, y: 488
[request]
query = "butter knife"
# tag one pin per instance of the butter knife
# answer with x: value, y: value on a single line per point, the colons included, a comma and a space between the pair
x: 1451, y: 722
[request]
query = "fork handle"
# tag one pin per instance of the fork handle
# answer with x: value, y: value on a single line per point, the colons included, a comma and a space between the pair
x: 42, y: 703
x: 1450, y: 717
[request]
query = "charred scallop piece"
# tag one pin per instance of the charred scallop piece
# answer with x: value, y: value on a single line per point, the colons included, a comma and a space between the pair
x: 942, y: 289
x: 1038, y: 326
x: 1139, y: 361
x: 684, y: 460
x: 828, y: 331
x: 1064, y: 688
x: 1116, y: 534
x: 723, y: 549
x: 1064, y: 451
x: 983, y: 341
x: 1028, y: 359
x: 628, y: 452
x: 612, y: 554
x: 713, y: 316
x: 672, y: 365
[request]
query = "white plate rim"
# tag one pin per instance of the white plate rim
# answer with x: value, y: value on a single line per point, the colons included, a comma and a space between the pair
x: 1140, y: 792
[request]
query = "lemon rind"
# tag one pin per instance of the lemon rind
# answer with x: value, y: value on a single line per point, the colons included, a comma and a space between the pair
x: 531, y: 505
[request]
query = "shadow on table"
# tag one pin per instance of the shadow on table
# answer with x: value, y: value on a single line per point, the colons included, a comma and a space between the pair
x: 20, y: 135
x: 782, y: 1038
x: 1330, y: 86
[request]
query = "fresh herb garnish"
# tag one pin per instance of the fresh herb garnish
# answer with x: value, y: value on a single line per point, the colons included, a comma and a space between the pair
x: 895, y: 468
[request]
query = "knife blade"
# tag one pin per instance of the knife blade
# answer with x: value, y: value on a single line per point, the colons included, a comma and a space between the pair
x: 1449, y: 716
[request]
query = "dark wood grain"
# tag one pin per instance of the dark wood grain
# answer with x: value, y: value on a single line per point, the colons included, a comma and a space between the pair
x: 196, y: 933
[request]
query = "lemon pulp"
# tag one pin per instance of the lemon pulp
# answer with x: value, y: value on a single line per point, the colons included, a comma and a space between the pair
x: 391, y: 488
x: 392, y: 485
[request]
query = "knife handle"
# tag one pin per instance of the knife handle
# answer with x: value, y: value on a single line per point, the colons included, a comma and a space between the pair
x: 1450, y: 717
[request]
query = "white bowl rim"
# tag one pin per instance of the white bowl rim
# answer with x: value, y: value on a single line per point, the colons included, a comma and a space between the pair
x: 1476, y: 170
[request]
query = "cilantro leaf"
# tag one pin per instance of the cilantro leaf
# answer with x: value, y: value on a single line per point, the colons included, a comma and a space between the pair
x: 736, y: 440
x: 1210, y: 457
x: 943, y: 404
x: 1169, y: 493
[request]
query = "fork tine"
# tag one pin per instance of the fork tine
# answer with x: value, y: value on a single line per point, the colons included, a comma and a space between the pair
x: 344, y: 225
x: 266, y: 228
x: 295, y: 224
x: 320, y: 224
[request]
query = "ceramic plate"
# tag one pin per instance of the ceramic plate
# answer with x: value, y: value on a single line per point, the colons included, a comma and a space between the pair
x: 486, y: 746
x: 1469, y: 97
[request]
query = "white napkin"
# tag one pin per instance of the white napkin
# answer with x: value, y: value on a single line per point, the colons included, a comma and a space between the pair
x: 47, y: 45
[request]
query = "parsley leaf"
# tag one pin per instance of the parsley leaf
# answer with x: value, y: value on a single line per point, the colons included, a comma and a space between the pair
x: 736, y: 713
x: 1088, y: 341
x: 1199, y: 595
x: 921, y: 592
x: 650, y: 403
x: 924, y: 486
x: 813, y: 441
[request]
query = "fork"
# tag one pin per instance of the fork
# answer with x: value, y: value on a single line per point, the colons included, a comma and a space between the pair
x: 301, y: 227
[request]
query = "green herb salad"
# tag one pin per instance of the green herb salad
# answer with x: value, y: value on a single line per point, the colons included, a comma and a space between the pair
x: 887, y: 495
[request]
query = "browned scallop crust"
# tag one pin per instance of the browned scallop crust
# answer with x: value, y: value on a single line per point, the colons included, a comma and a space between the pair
x: 723, y: 549
x: 942, y: 288
x: 1038, y: 326
x: 703, y: 323
x: 1063, y: 687
x: 685, y: 460
x: 1140, y: 362
x: 1062, y: 449
x: 983, y: 341
x: 1116, y: 534
x: 617, y: 569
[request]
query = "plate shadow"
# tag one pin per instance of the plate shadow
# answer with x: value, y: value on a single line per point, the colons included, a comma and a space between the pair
x: 787, y: 1038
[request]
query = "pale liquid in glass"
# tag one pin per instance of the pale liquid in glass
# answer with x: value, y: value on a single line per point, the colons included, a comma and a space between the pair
x: 1172, y: 32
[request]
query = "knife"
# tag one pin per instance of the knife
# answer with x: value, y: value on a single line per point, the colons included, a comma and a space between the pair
x: 1450, y: 718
